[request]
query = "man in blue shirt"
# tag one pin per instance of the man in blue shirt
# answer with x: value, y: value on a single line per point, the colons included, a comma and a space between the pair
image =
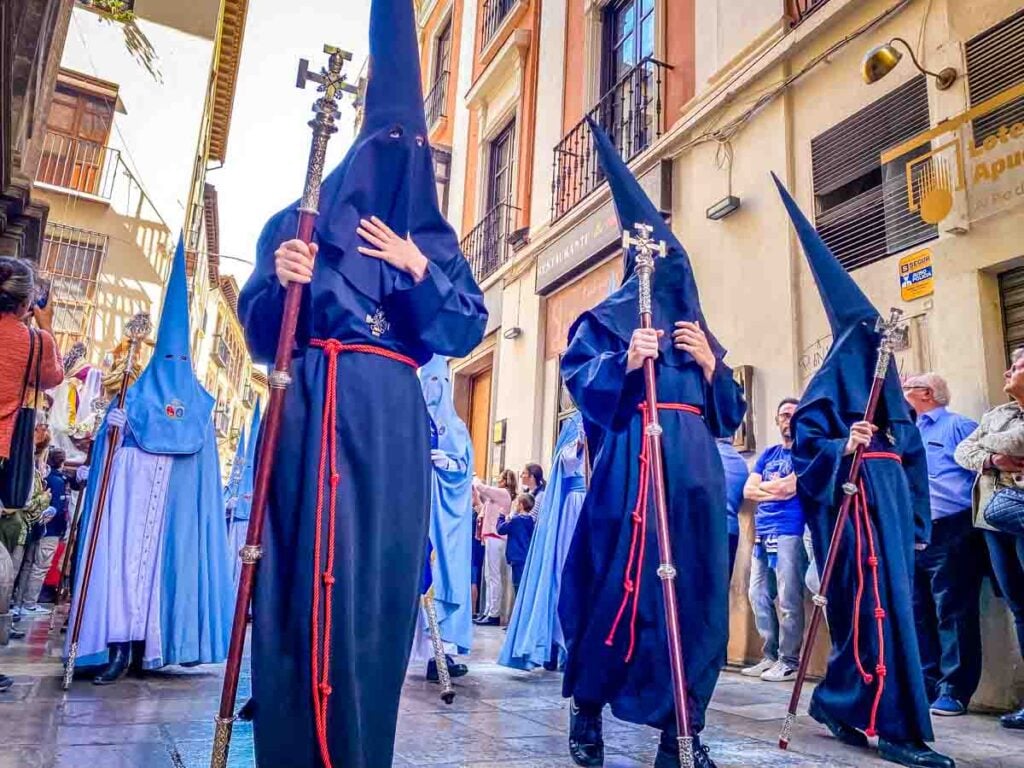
x: 736, y: 473
x: 779, y: 561
x: 948, y: 572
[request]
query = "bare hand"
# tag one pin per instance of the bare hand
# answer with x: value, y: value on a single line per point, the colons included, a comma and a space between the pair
x: 1005, y: 463
x: 43, y: 316
x: 860, y: 435
x: 642, y: 345
x: 399, y: 252
x: 690, y: 337
x: 293, y: 262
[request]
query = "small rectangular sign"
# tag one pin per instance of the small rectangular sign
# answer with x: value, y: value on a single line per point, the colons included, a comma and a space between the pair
x: 916, y: 275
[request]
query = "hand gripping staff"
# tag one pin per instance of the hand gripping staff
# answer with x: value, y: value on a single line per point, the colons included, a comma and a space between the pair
x: 851, y: 490
x: 646, y: 249
x: 137, y: 329
x: 332, y: 84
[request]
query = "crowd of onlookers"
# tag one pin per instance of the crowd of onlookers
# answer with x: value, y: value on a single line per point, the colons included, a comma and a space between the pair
x: 976, y: 488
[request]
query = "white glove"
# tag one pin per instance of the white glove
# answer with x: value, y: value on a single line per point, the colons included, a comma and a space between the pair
x: 48, y: 515
x: 82, y: 473
x: 117, y: 417
x: 440, y: 458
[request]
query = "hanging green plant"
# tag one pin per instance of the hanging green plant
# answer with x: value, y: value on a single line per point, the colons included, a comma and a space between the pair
x: 117, y: 10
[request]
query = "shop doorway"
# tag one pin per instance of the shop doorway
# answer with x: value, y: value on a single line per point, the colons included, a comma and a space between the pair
x: 480, y: 421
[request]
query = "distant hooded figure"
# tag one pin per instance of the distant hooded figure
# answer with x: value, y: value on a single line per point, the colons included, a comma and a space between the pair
x: 160, y: 591
x: 611, y: 606
x: 451, y: 515
x: 336, y: 589
x: 239, y: 504
x: 864, y: 693
x: 534, y: 637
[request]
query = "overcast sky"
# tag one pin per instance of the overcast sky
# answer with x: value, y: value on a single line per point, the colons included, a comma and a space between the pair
x: 268, y: 144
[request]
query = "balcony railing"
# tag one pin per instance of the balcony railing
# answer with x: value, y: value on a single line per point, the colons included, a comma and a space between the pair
x: 798, y: 10
x: 630, y: 112
x: 436, y: 102
x: 78, y: 165
x: 486, y: 246
x: 495, y: 12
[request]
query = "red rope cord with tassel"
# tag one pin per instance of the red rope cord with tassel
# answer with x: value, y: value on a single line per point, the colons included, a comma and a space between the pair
x: 320, y: 667
x: 635, y: 563
x: 863, y: 530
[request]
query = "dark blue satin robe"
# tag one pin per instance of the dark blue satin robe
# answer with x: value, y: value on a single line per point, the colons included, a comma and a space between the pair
x: 899, y: 510
x: 383, y: 507
x: 592, y: 583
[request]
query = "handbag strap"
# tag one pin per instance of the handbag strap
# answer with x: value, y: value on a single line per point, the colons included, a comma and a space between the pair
x: 28, y: 370
x: 39, y: 368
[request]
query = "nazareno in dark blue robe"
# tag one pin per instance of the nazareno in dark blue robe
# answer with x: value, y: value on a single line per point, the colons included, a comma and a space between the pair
x: 594, y: 367
x: 897, y: 501
x: 383, y: 433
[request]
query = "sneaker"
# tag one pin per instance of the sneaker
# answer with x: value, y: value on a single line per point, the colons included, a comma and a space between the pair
x: 779, y: 673
x: 35, y: 610
x: 758, y: 669
x: 947, y: 706
x: 5, y: 682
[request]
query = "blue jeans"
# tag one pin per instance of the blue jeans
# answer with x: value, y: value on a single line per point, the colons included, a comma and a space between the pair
x: 782, y: 632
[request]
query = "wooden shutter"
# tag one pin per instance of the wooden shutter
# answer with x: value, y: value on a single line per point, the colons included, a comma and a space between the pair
x: 861, y: 209
x: 995, y: 62
x: 1011, y: 299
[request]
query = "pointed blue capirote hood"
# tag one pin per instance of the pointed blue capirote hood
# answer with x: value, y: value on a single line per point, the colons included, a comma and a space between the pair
x: 674, y: 289
x: 845, y: 303
x: 393, y: 92
x: 435, y: 380
x: 168, y: 411
x: 388, y: 171
x: 246, y: 481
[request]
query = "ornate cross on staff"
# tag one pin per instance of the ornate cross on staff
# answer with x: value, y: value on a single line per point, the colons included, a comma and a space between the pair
x: 646, y: 250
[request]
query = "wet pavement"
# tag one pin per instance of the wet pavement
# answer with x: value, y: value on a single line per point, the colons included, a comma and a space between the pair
x: 501, y: 719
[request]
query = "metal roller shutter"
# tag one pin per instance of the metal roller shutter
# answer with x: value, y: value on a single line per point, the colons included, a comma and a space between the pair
x: 995, y: 62
x: 1011, y: 298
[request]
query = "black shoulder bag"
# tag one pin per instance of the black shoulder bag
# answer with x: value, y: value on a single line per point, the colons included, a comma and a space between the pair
x: 16, y: 473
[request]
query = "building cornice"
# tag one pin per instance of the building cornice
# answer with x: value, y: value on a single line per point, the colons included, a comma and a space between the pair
x: 227, y: 58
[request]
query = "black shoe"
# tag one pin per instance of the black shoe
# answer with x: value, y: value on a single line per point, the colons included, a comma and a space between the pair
x: 586, y: 742
x: 487, y: 621
x: 16, y: 634
x: 1013, y: 720
x: 454, y: 670
x: 668, y: 753
x: 137, y: 654
x: 120, y: 654
x: 5, y: 682
x: 916, y: 754
x: 847, y: 734
x: 247, y: 712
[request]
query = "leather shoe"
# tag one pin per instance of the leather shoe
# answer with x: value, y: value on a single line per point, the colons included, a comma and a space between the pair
x: 1013, y: 720
x: 454, y: 670
x: 916, y: 754
x: 844, y: 733
x: 586, y: 741
x: 668, y: 753
x: 247, y: 712
x: 487, y: 621
x: 5, y: 682
x: 120, y: 655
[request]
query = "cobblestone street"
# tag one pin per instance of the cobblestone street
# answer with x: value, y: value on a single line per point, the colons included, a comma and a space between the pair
x: 501, y: 719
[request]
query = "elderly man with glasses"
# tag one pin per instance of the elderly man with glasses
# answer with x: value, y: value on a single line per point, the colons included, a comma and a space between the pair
x: 948, y: 572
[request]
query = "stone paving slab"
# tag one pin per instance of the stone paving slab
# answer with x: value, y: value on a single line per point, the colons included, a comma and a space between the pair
x: 501, y: 719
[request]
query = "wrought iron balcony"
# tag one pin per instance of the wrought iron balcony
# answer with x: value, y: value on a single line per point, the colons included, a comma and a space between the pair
x: 486, y: 246
x: 631, y: 114
x: 436, y: 103
x: 798, y: 10
x: 495, y: 12
x: 78, y: 165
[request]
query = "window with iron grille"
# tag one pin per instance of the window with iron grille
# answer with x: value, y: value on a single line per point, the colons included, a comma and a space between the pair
x: 75, y: 154
x: 442, y: 176
x: 861, y: 209
x: 995, y: 62
x: 628, y: 39
x: 72, y: 259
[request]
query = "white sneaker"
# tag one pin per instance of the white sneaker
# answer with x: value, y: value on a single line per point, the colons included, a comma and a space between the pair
x: 758, y: 669
x: 35, y: 610
x: 779, y: 673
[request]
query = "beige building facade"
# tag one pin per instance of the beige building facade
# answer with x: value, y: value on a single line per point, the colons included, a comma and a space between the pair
x: 919, y: 190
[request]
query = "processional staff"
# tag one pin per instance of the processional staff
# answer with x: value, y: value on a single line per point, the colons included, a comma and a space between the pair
x: 646, y: 250
x: 332, y: 84
x: 887, y: 329
x: 136, y: 329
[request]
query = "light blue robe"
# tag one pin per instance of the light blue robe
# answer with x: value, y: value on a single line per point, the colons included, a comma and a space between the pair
x: 160, y: 570
x: 240, y: 507
x: 534, y: 628
x: 451, y: 510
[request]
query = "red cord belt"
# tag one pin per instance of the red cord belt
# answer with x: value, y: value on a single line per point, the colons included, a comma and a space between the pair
x: 635, y: 564
x: 862, y: 529
x: 321, y: 650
